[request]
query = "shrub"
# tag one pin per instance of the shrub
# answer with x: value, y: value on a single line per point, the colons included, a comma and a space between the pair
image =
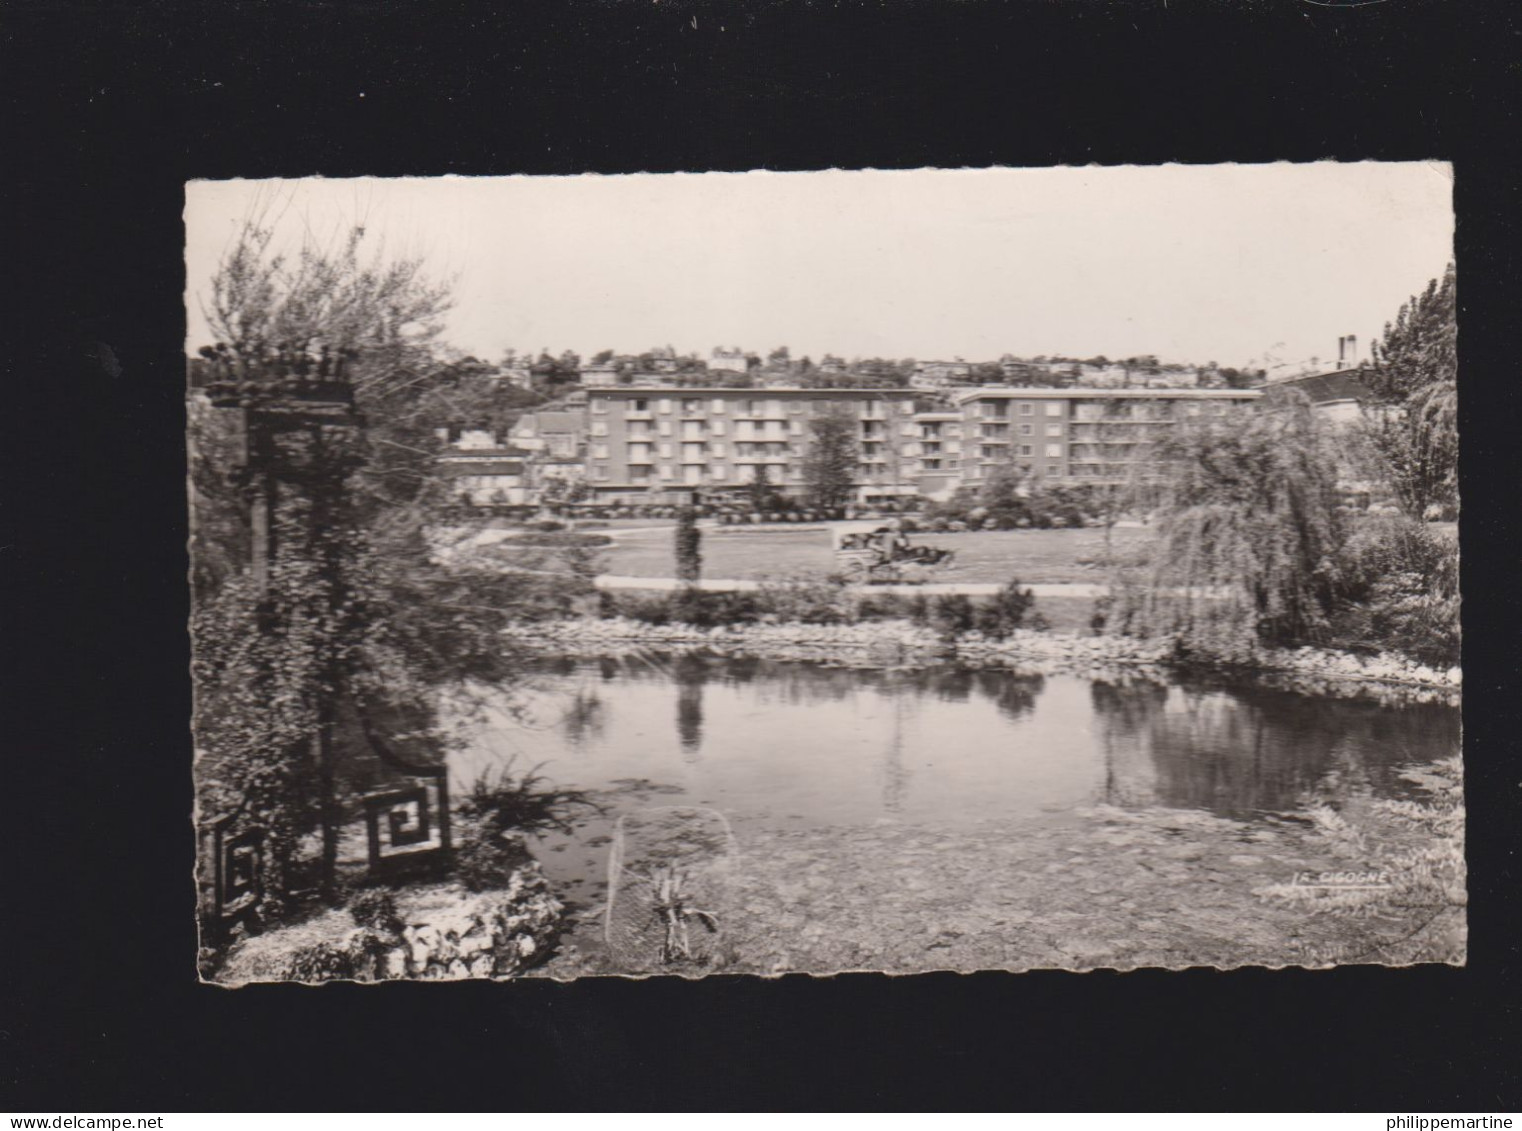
x: 498, y: 813
x: 375, y: 908
x: 1006, y: 611
x: 806, y: 599
x: 320, y: 962
x: 893, y: 606
x: 703, y: 609
x: 1398, y: 591
x: 653, y: 608
x: 952, y: 614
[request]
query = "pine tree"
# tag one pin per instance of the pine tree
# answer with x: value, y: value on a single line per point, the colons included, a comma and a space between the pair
x: 689, y: 540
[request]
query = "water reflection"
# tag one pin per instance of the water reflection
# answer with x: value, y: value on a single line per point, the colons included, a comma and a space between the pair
x: 793, y: 742
x: 690, y: 672
x: 1244, y: 750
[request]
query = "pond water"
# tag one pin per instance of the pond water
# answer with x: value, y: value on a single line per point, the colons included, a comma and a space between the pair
x: 796, y: 745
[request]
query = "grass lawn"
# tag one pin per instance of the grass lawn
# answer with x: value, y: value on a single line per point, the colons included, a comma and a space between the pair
x: 1046, y: 556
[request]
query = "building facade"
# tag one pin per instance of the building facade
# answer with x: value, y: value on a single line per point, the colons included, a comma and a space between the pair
x: 1077, y: 435
x: 663, y: 443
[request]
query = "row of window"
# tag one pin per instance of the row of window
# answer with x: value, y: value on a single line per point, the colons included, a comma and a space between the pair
x: 690, y: 405
x: 1000, y: 430
x: 991, y: 451
x: 999, y: 410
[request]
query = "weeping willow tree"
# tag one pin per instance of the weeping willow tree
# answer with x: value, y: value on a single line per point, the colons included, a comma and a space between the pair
x: 1248, y: 529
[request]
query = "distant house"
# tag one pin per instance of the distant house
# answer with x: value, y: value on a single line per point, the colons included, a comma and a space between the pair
x: 516, y: 376
x: 943, y: 372
x: 482, y: 469
x: 728, y: 360
x: 663, y: 359
x: 599, y: 373
x: 552, y: 433
x: 1336, y: 395
x: 1335, y: 389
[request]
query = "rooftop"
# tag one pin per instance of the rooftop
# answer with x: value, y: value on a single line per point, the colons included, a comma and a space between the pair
x: 757, y: 393
x: 1015, y: 393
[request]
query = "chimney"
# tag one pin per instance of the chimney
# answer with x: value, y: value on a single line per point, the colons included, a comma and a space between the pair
x: 1347, y: 351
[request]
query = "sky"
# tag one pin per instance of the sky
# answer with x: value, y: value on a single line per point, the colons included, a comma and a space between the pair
x: 1238, y: 264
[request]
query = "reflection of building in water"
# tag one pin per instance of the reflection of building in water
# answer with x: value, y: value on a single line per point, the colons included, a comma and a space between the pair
x: 690, y: 672
x: 1124, y: 710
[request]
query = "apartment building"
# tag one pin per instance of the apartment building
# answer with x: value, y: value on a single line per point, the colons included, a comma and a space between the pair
x: 1080, y: 435
x: 939, y: 451
x: 659, y: 444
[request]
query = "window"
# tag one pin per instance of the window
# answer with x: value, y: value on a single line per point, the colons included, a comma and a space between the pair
x: 717, y: 450
x: 599, y: 451
x: 665, y: 405
x: 906, y: 408
x: 795, y: 406
x: 718, y: 404
x: 665, y: 450
x: 932, y: 465
x: 953, y: 464
x: 599, y: 427
x: 719, y: 472
x: 716, y: 427
x: 599, y: 471
x: 795, y: 427
x: 664, y: 427
x: 666, y: 471
x: 755, y: 408
x: 692, y: 429
x: 1054, y: 408
x: 639, y: 404
x: 639, y: 428
x: 1054, y: 430
x: 1027, y: 410
x: 1026, y: 449
x: 1025, y: 429
x: 1054, y: 451
x: 599, y: 405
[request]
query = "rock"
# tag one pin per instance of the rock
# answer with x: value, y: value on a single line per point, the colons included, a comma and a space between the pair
x: 451, y: 933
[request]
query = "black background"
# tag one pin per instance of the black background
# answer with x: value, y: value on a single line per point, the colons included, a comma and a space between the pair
x: 110, y: 108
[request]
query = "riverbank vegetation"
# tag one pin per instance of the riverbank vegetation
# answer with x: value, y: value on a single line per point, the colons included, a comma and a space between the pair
x: 827, y: 600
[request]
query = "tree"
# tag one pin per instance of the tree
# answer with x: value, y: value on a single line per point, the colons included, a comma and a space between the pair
x: 346, y: 644
x: 1411, y: 421
x: 1247, y: 532
x: 830, y: 466
x: 760, y: 492
x: 689, y: 540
